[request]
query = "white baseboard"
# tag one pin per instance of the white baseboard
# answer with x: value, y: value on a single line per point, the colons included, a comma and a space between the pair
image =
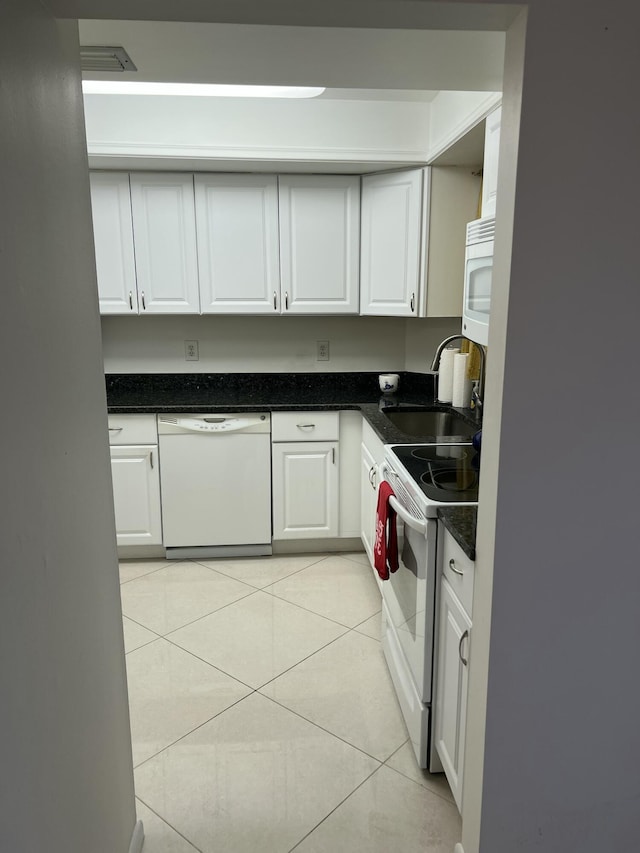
x: 137, y: 839
x: 458, y: 848
x: 314, y: 546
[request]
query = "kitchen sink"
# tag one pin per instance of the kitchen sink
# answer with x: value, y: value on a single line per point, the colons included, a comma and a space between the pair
x: 431, y: 422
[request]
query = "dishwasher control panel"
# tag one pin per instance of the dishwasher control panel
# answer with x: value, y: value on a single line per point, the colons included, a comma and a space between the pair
x: 213, y: 423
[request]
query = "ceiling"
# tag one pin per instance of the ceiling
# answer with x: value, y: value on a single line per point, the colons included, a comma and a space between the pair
x: 408, y: 14
x: 360, y: 64
x: 385, y: 63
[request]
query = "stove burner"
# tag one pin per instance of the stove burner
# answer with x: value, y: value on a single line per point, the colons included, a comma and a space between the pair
x: 442, y: 453
x: 447, y: 473
x: 450, y: 479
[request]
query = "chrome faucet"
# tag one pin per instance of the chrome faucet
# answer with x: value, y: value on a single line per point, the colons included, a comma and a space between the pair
x: 477, y: 395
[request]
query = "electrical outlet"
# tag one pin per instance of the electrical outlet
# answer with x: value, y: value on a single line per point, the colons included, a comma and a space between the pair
x: 191, y: 351
x: 323, y: 351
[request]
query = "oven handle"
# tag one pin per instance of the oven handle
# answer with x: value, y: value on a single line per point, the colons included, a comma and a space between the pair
x: 414, y: 523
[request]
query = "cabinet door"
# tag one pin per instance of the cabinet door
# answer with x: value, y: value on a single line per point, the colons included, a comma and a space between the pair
x: 490, y: 166
x: 349, y: 474
x: 305, y: 490
x: 113, y: 238
x: 164, y: 230
x: 450, y: 713
x: 238, y: 253
x: 368, y: 500
x: 319, y: 243
x: 453, y: 201
x: 391, y: 243
x: 136, y: 494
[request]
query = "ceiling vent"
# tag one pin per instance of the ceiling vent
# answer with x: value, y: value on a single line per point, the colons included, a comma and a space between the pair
x: 96, y: 58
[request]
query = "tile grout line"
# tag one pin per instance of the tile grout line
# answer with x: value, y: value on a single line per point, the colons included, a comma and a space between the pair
x: 341, y: 803
x: 198, y: 618
x: 195, y: 729
x: 252, y: 590
x: 208, y: 663
x: 294, y: 572
x: 164, y: 820
x: 322, y: 729
x: 424, y: 787
x: 145, y: 575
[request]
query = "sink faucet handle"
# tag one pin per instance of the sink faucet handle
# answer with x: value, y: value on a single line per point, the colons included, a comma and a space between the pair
x: 476, y: 399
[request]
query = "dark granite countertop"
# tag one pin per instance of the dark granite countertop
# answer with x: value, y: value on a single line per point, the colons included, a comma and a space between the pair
x: 130, y: 393
x: 152, y: 393
x: 460, y: 521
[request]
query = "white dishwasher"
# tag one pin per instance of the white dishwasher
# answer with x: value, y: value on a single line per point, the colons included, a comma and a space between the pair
x: 215, y: 479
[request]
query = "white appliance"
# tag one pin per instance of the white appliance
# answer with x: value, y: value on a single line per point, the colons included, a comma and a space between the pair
x: 215, y: 478
x: 478, y: 271
x: 423, y: 478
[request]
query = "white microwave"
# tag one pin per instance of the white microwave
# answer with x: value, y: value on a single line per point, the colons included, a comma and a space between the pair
x: 478, y: 269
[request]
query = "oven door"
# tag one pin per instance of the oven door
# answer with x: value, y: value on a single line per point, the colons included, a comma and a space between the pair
x: 409, y: 595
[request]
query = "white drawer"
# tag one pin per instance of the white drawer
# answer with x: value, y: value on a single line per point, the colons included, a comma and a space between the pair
x: 133, y: 429
x: 457, y: 568
x: 305, y: 426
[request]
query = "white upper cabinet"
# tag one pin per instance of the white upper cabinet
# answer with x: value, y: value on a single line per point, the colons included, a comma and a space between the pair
x: 454, y: 192
x: 113, y: 237
x: 413, y: 240
x: 490, y: 166
x: 391, y: 243
x: 164, y: 230
x: 238, y: 254
x: 319, y: 243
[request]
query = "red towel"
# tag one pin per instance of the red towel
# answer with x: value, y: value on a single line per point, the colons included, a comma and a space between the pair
x: 385, y: 549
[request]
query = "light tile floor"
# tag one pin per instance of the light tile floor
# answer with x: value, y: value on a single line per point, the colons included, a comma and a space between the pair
x: 263, y: 715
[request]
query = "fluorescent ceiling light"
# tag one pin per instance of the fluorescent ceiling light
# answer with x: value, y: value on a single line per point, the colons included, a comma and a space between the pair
x: 128, y: 87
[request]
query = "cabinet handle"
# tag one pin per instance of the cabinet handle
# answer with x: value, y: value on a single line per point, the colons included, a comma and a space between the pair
x: 452, y: 566
x: 372, y: 476
x: 286, y: 300
x: 413, y: 301
x: 465, y: 661
x: 275, y: 301
x: 116, y: 429
x: 144, y: 307
x: 306, y: 426
x: 333, y: 455
x: 151, y: 458
x: 131, y: 300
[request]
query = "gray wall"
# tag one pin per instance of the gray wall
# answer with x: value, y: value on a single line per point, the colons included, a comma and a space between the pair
x: 66, y: 782
x: 250, y: 344
x: 560, y: 770
x: 559, y: 497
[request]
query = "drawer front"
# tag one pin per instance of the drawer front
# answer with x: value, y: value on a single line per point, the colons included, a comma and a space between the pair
x: 133, y: 429
x: 458, y: 569
x: 305, y: 426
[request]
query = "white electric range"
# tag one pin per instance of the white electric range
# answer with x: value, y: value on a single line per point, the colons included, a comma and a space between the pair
x: 423, y: 478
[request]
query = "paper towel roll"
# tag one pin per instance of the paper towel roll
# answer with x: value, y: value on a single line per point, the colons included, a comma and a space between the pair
x: 461, y: 394
x: 445, y: 375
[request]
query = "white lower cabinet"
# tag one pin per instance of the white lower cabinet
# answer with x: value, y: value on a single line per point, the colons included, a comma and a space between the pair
x: 452, y: 674
x: 305, y: 490
x: 372, y: 453
x: 136, y: 494
x: 135, y: 472
x: 305, y: 475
